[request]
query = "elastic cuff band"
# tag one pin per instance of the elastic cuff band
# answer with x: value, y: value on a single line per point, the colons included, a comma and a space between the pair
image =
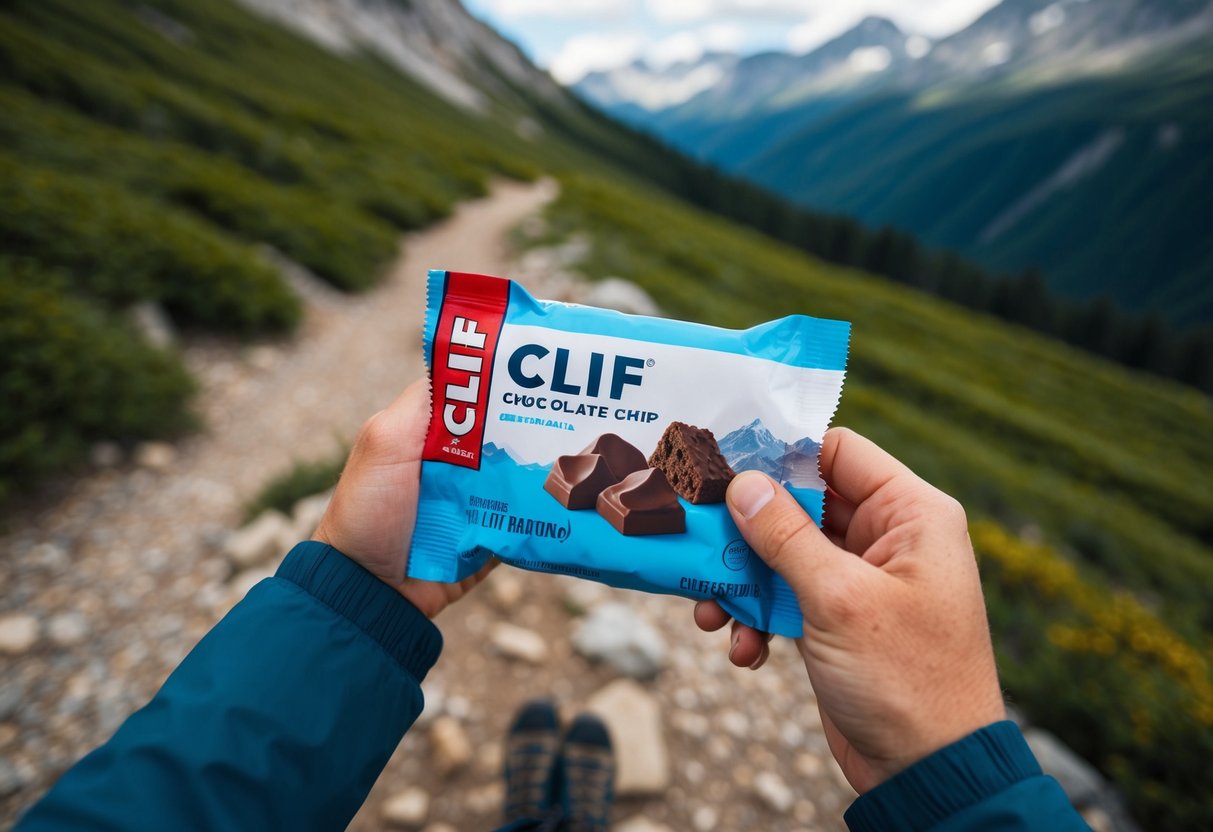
x: 368, y: 603
x: 955, y: 777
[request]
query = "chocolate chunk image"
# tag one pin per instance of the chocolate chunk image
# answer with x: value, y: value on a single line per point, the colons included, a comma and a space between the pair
x: 621, y: 456
x: 577, y: 480
x: 692, y: 462
x: 643, y: 503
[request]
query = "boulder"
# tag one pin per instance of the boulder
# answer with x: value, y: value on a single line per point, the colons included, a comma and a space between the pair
x: 1078, y: 778
x: 633, y: 719
x: 616, y: 634
x: 620, y: 294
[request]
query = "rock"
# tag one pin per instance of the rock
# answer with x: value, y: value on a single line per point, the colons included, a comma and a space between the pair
x: 693, y: 725
x: 581, y: 596
x: 518, y: 643
x: 439, y: 827
x: 153, y: 323
x: 639, y: 823
x: 67, y: 629
x: 804, y: 811
x: 408, y: 808
x: 490, y: 757
x: 306, y: 515
x: 49, y: 556
x: 10, y: 699
x: 486, y: 799
x: 617, y: 293
x: 1097, y: 819
x: 704, y: 819
x: 264, y: 357
x: 775, y: 793
x: 11, y: 780
x: 736, y: 723
x: 809, y: 765
x: 155, y: 456
x: 1081, y: 783
x: 259, y: 541
x: 245, y: 580
x: 18, y: 633
x: 633, y: 718
x: 505, y: 589
x: 105, y: 454
x: 450, y: 745
x: 616, y: 634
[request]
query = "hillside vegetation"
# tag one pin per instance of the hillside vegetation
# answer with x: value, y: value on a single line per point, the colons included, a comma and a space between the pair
x: 148, y: 149
x: 1090, y: 488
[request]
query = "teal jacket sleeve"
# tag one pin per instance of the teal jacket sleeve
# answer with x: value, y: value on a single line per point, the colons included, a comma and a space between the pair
x: 987, y: 781
x: 280, y: 718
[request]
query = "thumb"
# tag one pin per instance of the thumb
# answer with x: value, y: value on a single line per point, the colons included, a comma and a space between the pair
x: 784, y: 535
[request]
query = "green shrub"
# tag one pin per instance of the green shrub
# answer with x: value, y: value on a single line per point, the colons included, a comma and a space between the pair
x: 70, y: 375
x: 303, y: 480
x: 120, y: 247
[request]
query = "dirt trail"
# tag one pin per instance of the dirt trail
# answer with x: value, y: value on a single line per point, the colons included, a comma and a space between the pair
x: 124, y: 574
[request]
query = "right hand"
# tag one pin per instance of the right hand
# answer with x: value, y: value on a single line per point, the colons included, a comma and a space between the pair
x: 896, y: 641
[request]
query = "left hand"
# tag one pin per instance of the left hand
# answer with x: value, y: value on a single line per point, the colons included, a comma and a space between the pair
x: 371, y: 516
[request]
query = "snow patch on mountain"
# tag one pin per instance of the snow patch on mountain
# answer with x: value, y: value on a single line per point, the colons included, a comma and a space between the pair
x: 754, y: 448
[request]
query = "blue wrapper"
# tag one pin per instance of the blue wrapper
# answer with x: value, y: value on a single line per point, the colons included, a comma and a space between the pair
x: 520, y: 385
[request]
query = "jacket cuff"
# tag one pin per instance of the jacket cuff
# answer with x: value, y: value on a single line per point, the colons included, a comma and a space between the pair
x: 368, y: 603
x: 948, y: 781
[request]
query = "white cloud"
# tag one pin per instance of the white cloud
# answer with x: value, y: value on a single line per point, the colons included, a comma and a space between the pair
x: 592, y: 51
x: 825, y: 19
x: 691, y: 44
x: 681, y: 11
x: 510, y: 9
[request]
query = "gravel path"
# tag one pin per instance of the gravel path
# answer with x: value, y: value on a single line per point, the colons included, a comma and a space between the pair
x: 121, y: 573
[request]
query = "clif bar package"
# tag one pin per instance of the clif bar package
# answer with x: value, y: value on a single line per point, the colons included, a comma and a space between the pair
x: 591, y: 443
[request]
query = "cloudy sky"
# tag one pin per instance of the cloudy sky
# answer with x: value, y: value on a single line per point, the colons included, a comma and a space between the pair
x: 573, y: 37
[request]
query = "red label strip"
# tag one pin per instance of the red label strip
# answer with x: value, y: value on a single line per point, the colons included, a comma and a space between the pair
x: 469, y: 324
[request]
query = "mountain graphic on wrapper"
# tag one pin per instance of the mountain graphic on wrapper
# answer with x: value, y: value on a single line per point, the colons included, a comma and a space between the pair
x: 754, y: 448
x: 749, y: 448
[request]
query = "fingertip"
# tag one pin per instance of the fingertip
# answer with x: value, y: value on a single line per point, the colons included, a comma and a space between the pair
x: 749, y: 492
x: 709, y: 617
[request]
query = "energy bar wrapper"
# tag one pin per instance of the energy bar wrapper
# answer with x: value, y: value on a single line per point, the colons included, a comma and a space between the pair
x: 591, y: 443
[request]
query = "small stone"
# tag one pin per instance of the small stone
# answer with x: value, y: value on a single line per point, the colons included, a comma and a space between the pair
x: 155, y: 456
x: 307, y: 514
x: 408, y: 808
x: 518, y: 643
x: 450, y: 745
x: 704, y: 819
x: 639, y: 823
x: 486, y: 799
x: 259, y: 541
x: 11, y: 780
x: 581, y: 596
x: 105, y: 454
x: 439, y: 827
x: 264, y: 357
x: 633, y: 719
x: 618, y: 635
x: 736, y: 724
x: 67, y: 629
x: 791, y: 735
x: 18, y: 633
x: 1098, y: 819
x: 809, y: 765
x: 775, y: 793
x: 49, y: 556
x: 693, y: 725
x: 490, y: 758
x: 804, y: 811
x: 10, y: 699
x: 153, y: 323
x: 505, y: 589
x: 694, y: 771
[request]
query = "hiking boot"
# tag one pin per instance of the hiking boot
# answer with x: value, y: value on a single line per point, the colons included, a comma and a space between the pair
x: 587, y: 776
x: 531, y: 749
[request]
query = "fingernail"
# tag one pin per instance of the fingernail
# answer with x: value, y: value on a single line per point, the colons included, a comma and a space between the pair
x: 733, y: 649
x: 748, y: 493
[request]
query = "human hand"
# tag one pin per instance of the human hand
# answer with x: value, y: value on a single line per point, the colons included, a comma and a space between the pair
x: 370, y: 518
x: 896, y: 641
